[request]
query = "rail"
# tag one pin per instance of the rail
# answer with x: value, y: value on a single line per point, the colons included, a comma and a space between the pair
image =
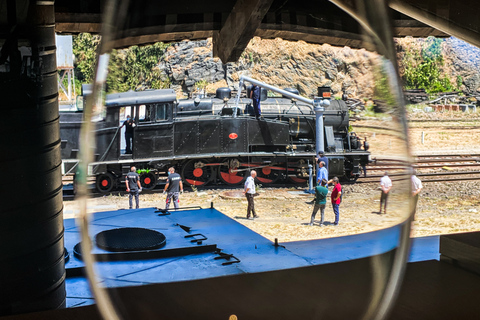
x: 466, y: 164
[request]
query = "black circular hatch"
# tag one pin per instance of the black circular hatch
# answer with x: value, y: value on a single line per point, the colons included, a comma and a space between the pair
x: 130, y: 239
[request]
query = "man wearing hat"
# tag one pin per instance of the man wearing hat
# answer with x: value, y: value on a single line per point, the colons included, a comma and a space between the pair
x: 321, y: 157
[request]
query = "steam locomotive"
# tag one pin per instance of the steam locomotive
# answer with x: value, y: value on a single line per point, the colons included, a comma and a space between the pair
x: 211, y: 140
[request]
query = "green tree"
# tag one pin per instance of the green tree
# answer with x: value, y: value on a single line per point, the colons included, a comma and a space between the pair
x: 382, y: 90
x: 135, y: 68
x: 427, y: 75
x: 422, y: 68
x: 84, y: 49
x: 432, y: 49
x: 129, y: 69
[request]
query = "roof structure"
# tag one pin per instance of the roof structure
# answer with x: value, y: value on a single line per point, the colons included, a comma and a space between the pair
x: 232, y: 23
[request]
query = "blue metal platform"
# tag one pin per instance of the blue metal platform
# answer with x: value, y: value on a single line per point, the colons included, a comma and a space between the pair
x: 207, y: 254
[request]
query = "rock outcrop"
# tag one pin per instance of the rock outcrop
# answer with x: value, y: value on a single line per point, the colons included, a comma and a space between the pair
x: 463, y: 59
x: 277, y: 62
x: 190, y: 65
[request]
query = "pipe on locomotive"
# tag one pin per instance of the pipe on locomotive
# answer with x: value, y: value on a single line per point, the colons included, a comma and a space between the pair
x: 317, y: 103
x: 269, y: 87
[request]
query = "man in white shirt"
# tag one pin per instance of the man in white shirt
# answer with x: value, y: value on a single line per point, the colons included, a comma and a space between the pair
x: 416, y: 188
x: 249, y: 192
x: 386, y: 185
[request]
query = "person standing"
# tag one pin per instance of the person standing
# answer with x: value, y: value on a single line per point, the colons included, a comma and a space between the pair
x: 386, y: 186
x: 128, y: 124
x: 366, y: 146
x: 255, y: 94
x: 321, y: 157
x: 335, y: 197
x: 133, y: 187
x: 416, y: 188
x: 322, y: 172
x: 173, y: 188
x: 249, y: 191
x: 320, y: 202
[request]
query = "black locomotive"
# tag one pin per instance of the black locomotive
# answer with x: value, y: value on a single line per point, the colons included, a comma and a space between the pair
x: 210, y: 140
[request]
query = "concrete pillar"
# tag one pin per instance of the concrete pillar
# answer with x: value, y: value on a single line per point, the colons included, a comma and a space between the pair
x: 32, y: 268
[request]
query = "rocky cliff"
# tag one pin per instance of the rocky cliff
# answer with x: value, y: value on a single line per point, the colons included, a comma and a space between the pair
x: 190, y: 65
x: 463, y: 59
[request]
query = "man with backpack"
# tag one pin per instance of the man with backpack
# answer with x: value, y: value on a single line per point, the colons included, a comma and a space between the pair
x: 336, y: 198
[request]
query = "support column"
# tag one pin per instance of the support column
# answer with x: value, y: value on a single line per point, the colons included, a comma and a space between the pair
x: 32, y: 268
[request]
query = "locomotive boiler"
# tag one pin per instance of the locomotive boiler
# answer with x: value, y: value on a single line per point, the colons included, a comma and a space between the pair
x: 215, y: 139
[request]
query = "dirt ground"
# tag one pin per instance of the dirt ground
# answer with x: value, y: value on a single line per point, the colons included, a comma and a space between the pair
x: 284, y: 213
x: 449, y: 207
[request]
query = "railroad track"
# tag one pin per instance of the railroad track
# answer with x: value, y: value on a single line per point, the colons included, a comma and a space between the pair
x: 430, y: 168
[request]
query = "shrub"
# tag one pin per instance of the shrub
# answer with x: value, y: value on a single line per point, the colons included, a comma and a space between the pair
x: 423, y: 68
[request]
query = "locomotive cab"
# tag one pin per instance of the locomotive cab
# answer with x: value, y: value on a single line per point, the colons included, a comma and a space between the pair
x: 151, y: 110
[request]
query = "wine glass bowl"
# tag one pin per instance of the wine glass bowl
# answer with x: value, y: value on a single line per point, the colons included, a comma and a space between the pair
x: 196, y: 262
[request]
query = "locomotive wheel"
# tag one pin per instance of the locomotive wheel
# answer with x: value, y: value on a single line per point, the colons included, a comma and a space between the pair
x: 148, y: 180
x: 195, y: 173
x: 349, y: 176
x: 105, y: 182
x: 267, y: 175
x: 229, y: 174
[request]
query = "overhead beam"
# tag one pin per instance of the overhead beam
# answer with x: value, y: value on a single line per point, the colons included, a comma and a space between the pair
x: 458, y: 25
x: 240, y: 26
x: 73, y: 23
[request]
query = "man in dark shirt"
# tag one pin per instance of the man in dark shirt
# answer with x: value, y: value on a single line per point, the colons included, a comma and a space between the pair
x: 321, y: 157
x: 320, y: 202
x: 255, y: 94
x: 173, y: 187
x: 133, y: 187
x: 128, y: 124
